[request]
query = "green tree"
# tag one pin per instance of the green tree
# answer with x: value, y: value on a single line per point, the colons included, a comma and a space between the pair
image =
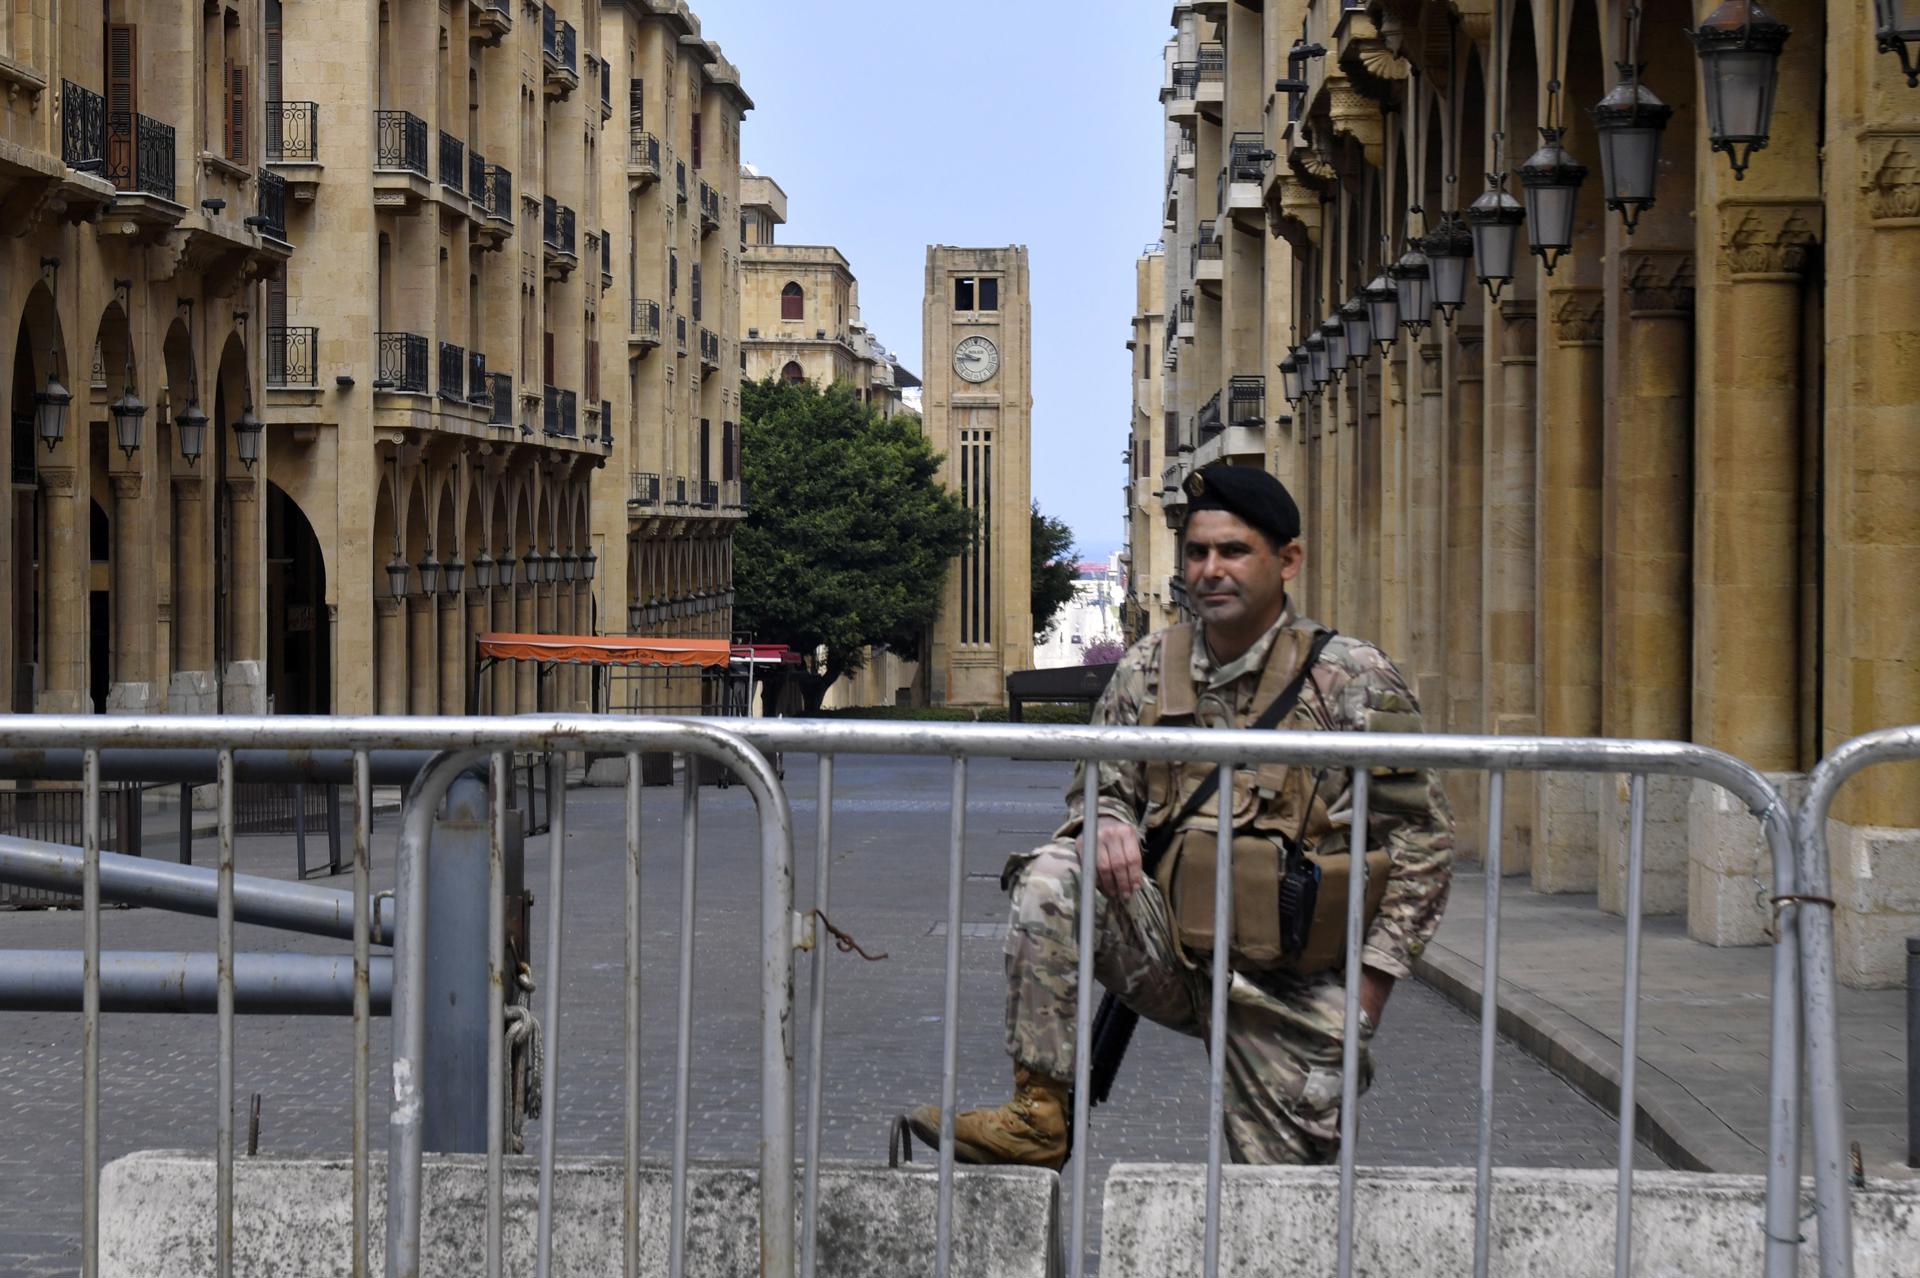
x: 849, y: 531
x: 1054, y: 568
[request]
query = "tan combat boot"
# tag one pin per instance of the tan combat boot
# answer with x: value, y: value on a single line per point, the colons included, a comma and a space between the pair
x: 1028, y: 1131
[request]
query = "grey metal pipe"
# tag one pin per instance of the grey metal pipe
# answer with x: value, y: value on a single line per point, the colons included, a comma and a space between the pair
x: 362, y: 1001
x: 817, y: 1024
x: 950, y: 1020
x: 683, y: 1045
x: 1350, y: 1026
x: 187, y: 982
x: 201, y: 766
x: 501, y: 783
x: 1630, y: 1028
x: 457, y: 976
x: 630, y: 1107
x: 1217, y: 1017
x: 188, y: 889
x: 550, y: 1073
x: 90, y: 1032
x: 1083, y: 1009
x: 1489, y: 1027
x: 223, y: 1009
x: 1913, y: 1051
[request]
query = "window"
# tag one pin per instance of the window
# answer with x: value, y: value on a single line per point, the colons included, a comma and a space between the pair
x: 990, y: 293
x: 793, y: 372
x: 976, y: 294
x: 726, y: 452
x: 236, y: 130
x: 963, y: 293
x: 793, y: 302
x: 696, y: 139
x: 636, y: 103
x: 696, y: 290
x: 673, y: 275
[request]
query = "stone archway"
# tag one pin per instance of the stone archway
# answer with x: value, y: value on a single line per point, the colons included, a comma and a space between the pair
x: 299, y: 637
x: 47, y: 529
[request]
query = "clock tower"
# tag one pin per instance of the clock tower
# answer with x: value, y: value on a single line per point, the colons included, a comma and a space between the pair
x: 978, y: 412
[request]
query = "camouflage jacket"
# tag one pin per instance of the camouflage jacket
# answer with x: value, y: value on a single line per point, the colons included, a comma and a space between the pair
x: 1354, y: 688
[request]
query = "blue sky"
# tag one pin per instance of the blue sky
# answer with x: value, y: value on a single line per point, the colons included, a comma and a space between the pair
x: 893, y: 126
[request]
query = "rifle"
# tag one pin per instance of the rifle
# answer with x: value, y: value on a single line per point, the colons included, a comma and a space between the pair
x: 1114, y: 1022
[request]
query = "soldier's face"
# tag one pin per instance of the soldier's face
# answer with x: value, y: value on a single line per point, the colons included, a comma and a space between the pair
x: 1236, y: 578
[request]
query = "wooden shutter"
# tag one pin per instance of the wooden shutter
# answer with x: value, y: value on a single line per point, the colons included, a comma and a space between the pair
x: 273, y: 54
x: 636, y: 103
x: 123, y: 94
x: 236, y: 113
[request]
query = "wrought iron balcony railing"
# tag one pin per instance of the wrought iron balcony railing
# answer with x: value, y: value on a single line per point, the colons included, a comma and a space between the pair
x: 453, y: 372
x: 646, y: 489
x: 476, y: 177
x: 453, y: 161
x: 1186, y: 308
x: 1209, y: 247
x: 290, y: 356
x: 1246, y: 401
x: 140, y: 155
x: 1213, y: 61
x: 293, y: 132
x: 83, y: 128
x: 643, y: 153
x: 645, y: 323
x: 479, y: 388
x: 606, y: 423
x: 606, y: 86
x: 677, y: 491
x: 709, y: 348
x: 403, y: 363
x: 709, y: 207
x: 549, y: 33
x: 400, y: 141
x: 1186, y: 79
x: 709, y: 494
x: 557, y: 230
x: 561, y: 419
x: 680, y: 333
x: 568, y: 45
x: 273, y: 204
x: 680, y: 180
x: 1248, y: 158
x: 497, y: 191
x: 500, y: 395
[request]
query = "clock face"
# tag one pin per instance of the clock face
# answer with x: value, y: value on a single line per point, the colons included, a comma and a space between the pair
x: 976, y: 359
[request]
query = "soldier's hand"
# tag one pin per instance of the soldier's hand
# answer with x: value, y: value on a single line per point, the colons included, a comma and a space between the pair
x: 1117, y: 852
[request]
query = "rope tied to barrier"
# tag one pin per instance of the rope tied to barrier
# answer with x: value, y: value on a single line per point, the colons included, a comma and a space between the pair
x: 843, y: 942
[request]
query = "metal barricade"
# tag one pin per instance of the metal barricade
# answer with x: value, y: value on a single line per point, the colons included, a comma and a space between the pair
x: 459, y: 745
x: 1833, y: 1197
x: 1361, y: 752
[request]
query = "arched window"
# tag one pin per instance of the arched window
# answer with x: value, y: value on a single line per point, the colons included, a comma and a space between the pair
x: 793, y: 372
x: 793, y: 302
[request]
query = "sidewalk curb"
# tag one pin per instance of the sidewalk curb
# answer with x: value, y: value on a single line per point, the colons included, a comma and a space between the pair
x: 1668, y: 1118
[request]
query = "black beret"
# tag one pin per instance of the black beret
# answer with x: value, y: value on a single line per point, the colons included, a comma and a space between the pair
x: 1249, y: 492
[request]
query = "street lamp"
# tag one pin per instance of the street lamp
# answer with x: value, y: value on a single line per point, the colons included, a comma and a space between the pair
x: 483, y: 570
x: 1551, y: 179
x: 456, y: 574
x: 1412, y: 281
x: 588, y: 562
x: 1897, y: 24
x: 1739, y: 46
x: 50, y: 409
x: 1316, y: 348
x: 192, y: 425
x: 569, y: 567
x: 1493, y: 222
x: 636, y: 617
x: 1630, y: 120
x: 246, y: 436
x: 532, y: 566
x: 1336, y: 334
x: 1382, y: 301
x: 429, y: 575
x: 503, y: 568
x: 1357, y: 321
x: 1449, y: 248
x: 127, y: 412
x: 397, y: 571
x: 1292, y: 382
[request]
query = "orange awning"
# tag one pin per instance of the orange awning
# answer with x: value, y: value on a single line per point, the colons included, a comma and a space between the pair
x: 606, y: 650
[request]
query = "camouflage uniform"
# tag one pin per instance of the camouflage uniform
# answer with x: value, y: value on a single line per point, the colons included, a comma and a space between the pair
x: 1284, y: 1032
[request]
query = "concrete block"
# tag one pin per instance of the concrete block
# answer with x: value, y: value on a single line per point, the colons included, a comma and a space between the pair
x: 1730, y: 865
x: 191, y: 692
x: 1283, y: 1220
x: 130, y: 698
x: 246, y: 688
x: 1568, y: 855
x: 608, y: 771
x: 1664, y: 865
x: 292, y: 1217
x: 1875, y: 873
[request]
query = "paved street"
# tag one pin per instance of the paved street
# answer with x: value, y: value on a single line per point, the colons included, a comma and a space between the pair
x: 884, y: 1029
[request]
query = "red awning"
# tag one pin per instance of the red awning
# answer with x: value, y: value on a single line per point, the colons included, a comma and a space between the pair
x: 765, y: 654
x: 606, y: 650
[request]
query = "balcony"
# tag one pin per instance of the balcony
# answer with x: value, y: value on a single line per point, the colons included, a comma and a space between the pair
x: 453, y: 162
x: 1183, y: 92
x: 399, y: 160
x: 1186, y: 316
x: 477, y: 183
x: 557, y: 239
x: 645, y: 490
x: 500, y: 397
x: 83, y: 128
x: 453, y: 373
x: 558, y: 52
x: 606, y: 260
x: 1247, y: 401
x: 606, y: 423
x: 1245, y: 178
x: 140, y: 156
x: 677, y: 490
x: 1208, y: 259
x: 709, y: 494
x: 680, y: 335
x: 643, y: 159
x: 709, y: 210
x: 606, y: 89
x: 643, y: 329
x: 560, y: 418
x: 271, y: 217
x: 479, y: 387
x: 496, y: 198
x: 403, y: 363
x: 709, y: 350
x: 1210, y: 79
x: 290, y: 356
x: 491, y: 20
x: 293, y: 147
x: 680, y: 181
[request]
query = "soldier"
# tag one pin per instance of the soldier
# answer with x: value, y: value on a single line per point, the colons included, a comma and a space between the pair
x: 1248, y: 653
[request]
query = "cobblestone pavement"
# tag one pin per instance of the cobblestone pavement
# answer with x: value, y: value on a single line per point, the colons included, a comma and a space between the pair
x: 884, y: 1019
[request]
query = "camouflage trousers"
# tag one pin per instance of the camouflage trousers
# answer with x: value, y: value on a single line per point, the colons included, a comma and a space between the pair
x: 1283, y: 1038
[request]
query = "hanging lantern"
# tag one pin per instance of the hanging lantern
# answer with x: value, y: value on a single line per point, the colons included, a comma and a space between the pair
x: 1291, y: 380
x: 1316, y: 347
x: 1493, y: 222
x: 1630, y: 120
x: 192, y: 425
x: 1551, y: 179
x: 397, y: 571
x: 531, y: 567
x: 429, y: 575
x: 455, y: 573
x: 246, y: 436
x: 503, y: 570
x: 1897, y: 23
x: 483, y: 571
x: 569, y: 567
x: 1413, y: 281
x: 1449, y: 248
x: 127, y: 412
x: 588, y: 562
x: 50, y: 412
x: 1382, y: 301
x: 1357, y: 323
x: 1739, y: 46
x: 1336, y: 334
x: 636, y: 617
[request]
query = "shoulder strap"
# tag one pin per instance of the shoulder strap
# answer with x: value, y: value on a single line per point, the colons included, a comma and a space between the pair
x: 1161, y: 837
x: 1176, y: 696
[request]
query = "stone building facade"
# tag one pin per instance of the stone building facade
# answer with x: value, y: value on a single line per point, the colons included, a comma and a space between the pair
x: 422, y: 424
x: 978, y: 414
x: 1154, y: 588
x: 1662, y: 490
x: 143, y: 219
